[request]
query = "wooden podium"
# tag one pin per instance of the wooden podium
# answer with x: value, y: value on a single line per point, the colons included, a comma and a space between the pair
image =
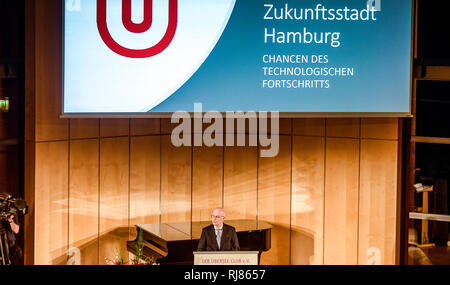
x: 226, y: 257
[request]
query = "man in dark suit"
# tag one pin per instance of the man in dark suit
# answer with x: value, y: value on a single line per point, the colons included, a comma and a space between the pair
x: 218, y: 236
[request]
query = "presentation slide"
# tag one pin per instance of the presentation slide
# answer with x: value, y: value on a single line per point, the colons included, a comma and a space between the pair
x: 291, y: 56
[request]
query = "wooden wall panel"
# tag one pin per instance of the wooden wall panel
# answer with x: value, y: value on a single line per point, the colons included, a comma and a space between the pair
x: 325, y: 175
x: 114, y: 171
x: 207, y: 182
x: 343, y: 127
x: 30, y: 191
x: 323, y: 227
x: 284, y: 126
x: 48, y: 84
x: 379, y: 128
x: 307, y: 210
x: 167, y: 126
x: 233, y: 128
x: 51, y: 203
x: 175, y: 182
x: 84, y: 128
x: 341, y: 201
x: 308, y: 127
x: 145, y: 190
x: 274, y: 198
x: 240, y: 182
x: 114, y: 127
x: 83, y: 199
x: 142, y: 127
x: 378, y: 202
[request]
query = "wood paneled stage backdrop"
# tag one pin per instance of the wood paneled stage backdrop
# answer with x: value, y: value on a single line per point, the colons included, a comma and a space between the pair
x: 331, y: 193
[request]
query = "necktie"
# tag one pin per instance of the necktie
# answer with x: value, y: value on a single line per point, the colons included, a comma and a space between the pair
x: 218, y: 236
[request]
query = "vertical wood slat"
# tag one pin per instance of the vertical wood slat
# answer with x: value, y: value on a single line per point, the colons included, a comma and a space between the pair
x: 51, y: 203
x: 143, y: 127
x: 274, y: 191
x: 206, y: 182
x: 167, y: 126
x: 113, y: 201
x: 83, y: 199
x: 341, y: 201
x: 29, y: 250
x: 175, y: 183
x: 144, y: 181
x: 378, y: 199
x: 307, y: 210
x: 379, y: 128
x: 240, y: 182
x: 308, y: 127
x: 343, y: 127
x: 284, y: 126
x: 48, y: 65
x: 84, y: 128
x: 114, y: 127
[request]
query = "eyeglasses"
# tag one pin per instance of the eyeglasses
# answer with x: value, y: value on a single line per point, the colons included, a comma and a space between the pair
x: 217, y: 217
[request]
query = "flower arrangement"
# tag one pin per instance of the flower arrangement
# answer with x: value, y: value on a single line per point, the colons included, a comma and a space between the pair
x: 138, y: 258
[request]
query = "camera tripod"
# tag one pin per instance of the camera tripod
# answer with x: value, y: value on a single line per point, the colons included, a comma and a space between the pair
x: 4, y: 248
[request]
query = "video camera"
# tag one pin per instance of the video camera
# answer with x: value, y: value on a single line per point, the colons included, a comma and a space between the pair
x: 11, y: 206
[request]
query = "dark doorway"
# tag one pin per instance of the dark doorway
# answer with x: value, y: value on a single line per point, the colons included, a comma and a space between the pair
x: 12, y: 105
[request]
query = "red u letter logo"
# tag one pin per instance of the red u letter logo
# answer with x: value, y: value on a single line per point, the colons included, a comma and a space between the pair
x: 137, y: 28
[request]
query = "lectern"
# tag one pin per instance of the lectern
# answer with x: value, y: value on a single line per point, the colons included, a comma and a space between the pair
x: 226, y: 257
x: 174, y: 243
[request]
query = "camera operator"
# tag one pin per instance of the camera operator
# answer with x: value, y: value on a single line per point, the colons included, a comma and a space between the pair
x: 12, y: 227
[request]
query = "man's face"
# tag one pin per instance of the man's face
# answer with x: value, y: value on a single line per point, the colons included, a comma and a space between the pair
x: 218, y: 217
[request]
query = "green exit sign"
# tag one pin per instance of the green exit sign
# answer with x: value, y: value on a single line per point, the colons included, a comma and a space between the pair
x: 4, y: 105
